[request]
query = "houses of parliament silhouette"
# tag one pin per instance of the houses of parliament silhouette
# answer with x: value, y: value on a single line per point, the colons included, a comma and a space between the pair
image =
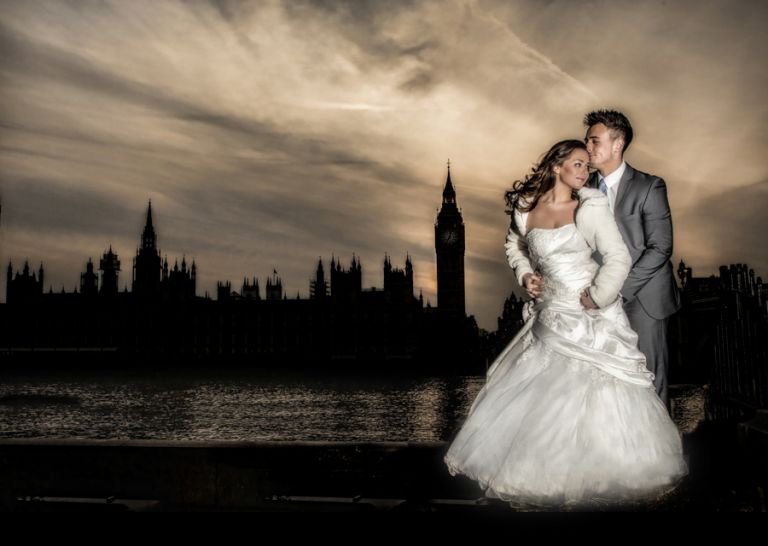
x: 163, y: 320
x: 720, y: 336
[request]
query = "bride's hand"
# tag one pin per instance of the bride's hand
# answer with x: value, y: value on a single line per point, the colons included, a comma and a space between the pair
x: 534, y: 284
x: 586, y: 300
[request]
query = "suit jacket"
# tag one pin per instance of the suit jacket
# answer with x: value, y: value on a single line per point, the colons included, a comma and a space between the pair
x: 645, y: 222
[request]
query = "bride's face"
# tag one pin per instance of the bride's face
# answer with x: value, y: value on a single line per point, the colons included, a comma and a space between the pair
x: 574, y: 170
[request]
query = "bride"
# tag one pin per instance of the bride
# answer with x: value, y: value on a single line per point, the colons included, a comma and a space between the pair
x: 568, y: 414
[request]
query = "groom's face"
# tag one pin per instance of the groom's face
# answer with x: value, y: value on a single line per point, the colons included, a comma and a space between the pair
x: 603, y: 147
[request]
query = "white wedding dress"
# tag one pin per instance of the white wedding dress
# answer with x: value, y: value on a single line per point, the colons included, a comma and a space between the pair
x: 569, y: 414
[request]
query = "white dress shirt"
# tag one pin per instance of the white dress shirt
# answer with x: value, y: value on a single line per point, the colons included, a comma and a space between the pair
x: 612, y: 181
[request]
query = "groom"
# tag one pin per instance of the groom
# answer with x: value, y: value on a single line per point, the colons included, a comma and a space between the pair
x: 639, y: 204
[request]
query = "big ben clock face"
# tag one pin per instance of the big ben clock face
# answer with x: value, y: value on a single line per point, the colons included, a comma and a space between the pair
x: 449, y: 237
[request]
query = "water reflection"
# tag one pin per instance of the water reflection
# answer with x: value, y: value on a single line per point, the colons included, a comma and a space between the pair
x: 235, y: 406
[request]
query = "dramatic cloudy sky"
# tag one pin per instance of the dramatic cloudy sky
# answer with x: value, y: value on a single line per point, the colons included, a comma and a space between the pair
x: 269, y: 134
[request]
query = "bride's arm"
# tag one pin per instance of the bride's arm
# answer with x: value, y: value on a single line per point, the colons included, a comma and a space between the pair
x: 603, y: 234
x: 518, y: 258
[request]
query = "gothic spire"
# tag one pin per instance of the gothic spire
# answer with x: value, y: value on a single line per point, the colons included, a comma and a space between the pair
x: 449, y: 194
x: 148, y: 238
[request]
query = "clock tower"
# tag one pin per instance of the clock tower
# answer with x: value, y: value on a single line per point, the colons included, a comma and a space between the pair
x: 449, y: 246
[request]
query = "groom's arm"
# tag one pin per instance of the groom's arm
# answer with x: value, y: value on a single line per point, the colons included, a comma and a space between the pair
x: 657, y: 228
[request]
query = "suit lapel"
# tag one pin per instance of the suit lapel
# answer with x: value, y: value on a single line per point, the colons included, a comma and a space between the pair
x: 626, y: 179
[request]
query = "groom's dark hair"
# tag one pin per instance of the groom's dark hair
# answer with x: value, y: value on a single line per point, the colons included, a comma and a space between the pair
x: 615, y: 121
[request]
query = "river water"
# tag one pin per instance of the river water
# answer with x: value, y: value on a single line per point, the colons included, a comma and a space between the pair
x: 248, y: 406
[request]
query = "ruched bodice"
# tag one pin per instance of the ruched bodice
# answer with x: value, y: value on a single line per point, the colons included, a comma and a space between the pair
x: 564, y: 259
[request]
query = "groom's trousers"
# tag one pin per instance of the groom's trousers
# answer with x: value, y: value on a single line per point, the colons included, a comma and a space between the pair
x: 652, y: 342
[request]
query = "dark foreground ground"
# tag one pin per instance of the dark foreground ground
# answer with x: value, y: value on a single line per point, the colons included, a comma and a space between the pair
x: 93, y: 475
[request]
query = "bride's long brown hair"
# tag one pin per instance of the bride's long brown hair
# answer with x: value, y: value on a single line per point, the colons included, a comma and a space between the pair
x: 525, y: 193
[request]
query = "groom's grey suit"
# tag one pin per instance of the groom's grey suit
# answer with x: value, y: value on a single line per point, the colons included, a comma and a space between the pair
x: 650, y: 293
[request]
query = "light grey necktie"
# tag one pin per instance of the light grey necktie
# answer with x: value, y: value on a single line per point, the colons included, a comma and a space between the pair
x: 602, y: 186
